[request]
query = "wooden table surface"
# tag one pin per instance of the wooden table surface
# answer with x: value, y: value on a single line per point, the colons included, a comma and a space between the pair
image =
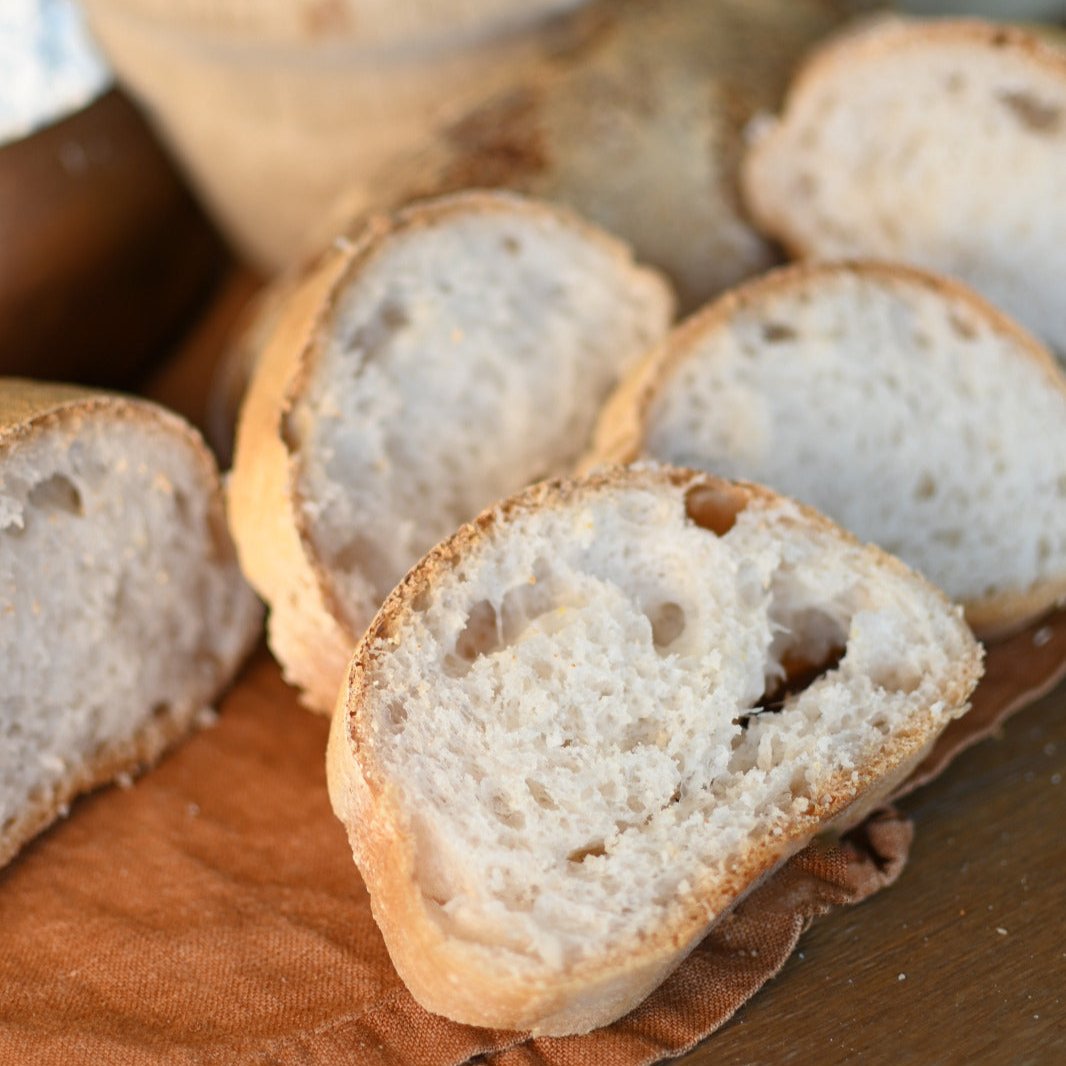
x: 962, y: 961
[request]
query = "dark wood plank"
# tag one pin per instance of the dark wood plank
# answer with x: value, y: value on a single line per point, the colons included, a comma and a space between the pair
x: 974, y: 926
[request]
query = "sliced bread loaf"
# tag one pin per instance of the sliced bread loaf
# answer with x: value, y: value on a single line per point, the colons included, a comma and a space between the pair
x: 449, y: 356
x: 897, y: 402
x: 587, y: 724
x: 122, y: 611
x: 941, y: 144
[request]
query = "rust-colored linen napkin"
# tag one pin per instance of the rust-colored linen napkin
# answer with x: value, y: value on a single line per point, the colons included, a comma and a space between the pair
x: 212, y: 913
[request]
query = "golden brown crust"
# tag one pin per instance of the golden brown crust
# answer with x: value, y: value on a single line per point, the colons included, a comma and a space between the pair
x: 309, y: 630
x: 850, y: 48
x: 304, y: 635
x: 595, y: 991
x: 28, y: 408
x: 129, y: 757
x: 621, y: 432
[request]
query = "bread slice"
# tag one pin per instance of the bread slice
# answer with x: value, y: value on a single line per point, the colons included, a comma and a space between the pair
x: 942, y: 144
x: 452, y: 354
x: 640, y: 130
x: 897, y: 402
x: 592, y: 720
x: 122, y: 611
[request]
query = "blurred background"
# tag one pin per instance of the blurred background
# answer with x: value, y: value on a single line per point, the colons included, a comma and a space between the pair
x: 160, y: 159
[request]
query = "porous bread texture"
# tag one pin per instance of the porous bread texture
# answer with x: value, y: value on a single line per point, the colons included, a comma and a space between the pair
x: 897, y: 402
x: 557, y: 756
x: 941, y: 144
x: 460, y: 351
x: 122, y: 610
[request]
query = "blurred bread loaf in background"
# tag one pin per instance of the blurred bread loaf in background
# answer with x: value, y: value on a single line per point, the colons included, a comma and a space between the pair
x: 641, y: 130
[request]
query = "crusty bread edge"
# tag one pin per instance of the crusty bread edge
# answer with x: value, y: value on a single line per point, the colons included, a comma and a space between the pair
x: 620, y: 434
x: 304, y: 635
x: 456, y: 978
x: 850, y: 48
x: 27, y: 408
x: 307, y: 630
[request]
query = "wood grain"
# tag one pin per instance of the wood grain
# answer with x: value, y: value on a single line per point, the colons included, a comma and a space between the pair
x: 989, y: 855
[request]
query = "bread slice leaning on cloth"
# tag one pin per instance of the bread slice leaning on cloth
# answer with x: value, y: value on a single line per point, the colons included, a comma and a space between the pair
x: 452, y: 354
x: 588, y: 723
x: 123, y: 614
x: 897, y: 402
x: 941, y: 144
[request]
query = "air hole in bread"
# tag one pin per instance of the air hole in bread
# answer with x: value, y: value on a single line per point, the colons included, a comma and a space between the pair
x: 955, y: 83
x: 541, y: 796
x: 1035, y: 115
x: 161, y: 710
x: 504, y: 813
x: 56, y: 494
x: 397, y: 715
x: 480, y: 636
x: 523, y: 604
x: 963, y: 328
x: 667, y: 624
x: 715, y: 508
x: 371, y: 337
x: 951, y: 537
x: 181, y: 506
x: 926, y: 487
x: 777, y: 333
x: 798, y: 673
x: 511, y: 245
x: 592, y: 850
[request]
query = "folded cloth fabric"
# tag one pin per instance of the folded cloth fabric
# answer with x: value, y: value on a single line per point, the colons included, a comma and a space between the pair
x: 211, y: 914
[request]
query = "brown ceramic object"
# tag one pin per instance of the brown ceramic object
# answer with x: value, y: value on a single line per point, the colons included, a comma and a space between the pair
x: 103, y: 252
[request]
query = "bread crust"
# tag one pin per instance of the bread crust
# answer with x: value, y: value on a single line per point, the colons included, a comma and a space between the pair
x: 474, y: 984
x: 621, y: 432
x: 26, y: 409
x: 851, y: 49
x: 307, y: 628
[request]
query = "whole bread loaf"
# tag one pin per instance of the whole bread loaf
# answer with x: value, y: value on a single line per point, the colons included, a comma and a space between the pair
x: 941, y: 144
x: 640, y: 130
x: 897, y: 402
x: 448, y: 356
x: 588, y: 723
x: 122, y: 612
